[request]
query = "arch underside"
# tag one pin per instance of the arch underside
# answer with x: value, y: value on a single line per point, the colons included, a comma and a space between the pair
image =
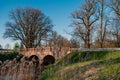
x: 33, y: 57
x: 48, y: 59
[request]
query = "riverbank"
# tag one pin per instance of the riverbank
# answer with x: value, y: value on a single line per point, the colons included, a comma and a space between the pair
x: 101, y: 65
x: 19, y: 68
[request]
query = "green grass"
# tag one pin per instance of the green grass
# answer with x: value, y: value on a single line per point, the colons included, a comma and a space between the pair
x: 97, y: 66
x: 110, y: 72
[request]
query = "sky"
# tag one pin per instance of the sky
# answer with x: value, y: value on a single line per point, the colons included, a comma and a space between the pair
x: 59, y: 11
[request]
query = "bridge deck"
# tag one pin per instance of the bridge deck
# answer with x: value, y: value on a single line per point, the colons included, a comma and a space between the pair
x: 95, y: 49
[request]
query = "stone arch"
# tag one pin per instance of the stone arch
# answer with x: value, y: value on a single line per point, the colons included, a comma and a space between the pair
x: 34, y: 57
x: 48, y: 59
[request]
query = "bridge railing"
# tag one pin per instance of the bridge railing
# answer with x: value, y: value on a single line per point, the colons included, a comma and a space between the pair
x: 5, y: 50
x: 57, y: 51
x: 95, y: 49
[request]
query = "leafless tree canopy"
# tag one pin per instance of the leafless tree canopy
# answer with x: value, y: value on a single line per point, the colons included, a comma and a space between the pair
x: 0, y: 46
x: 115, y: 4
x: 58, y: 40
x: 103, y: 20
x: 116, y: 32
x: 28, y: 25
x: 93, y: 23
x: 83, y: 21
x: 7, y: 46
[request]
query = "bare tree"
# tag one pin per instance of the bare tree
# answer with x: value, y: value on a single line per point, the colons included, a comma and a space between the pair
x: 103, y: 21
x: 63, y: 42
x: 84, y: 20
x: 7, y: 46
x: 54, y: 39
x: 116, y: 32
x: 0, y: 46
x: 28, y: 25
x: 115, y: 4
x: 74, y: 43
x: 58, y: 41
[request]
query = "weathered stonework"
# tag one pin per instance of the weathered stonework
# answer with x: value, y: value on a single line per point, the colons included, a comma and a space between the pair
x: 31, y: 64
x: 57, y: 53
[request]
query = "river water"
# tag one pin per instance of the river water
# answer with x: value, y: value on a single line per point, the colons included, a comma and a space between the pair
x: 6, y: 78
x: 24, y: 70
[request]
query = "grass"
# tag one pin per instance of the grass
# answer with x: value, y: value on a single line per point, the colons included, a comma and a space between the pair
x: 97, y: 66
x: 111, y: 72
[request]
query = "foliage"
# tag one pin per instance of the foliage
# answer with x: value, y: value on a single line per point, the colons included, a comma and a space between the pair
x: 22, y: 46
x: 76, y: 57
x: 111, y: 71
x: 8, y: 56
x: 16, y: 46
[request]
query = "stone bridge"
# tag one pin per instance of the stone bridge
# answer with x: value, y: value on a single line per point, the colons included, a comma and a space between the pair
x: 45, y: 55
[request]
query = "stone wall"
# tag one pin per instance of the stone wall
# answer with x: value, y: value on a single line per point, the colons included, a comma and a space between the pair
x: 42, y: 52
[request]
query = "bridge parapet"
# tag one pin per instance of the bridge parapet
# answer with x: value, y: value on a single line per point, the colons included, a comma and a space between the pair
x: 95, y: 49
x: 41, y: 52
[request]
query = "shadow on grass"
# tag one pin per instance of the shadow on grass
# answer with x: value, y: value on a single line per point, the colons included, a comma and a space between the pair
x: 77, y: 57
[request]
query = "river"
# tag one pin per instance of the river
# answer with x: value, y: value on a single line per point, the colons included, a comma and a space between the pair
x: 23, y: 70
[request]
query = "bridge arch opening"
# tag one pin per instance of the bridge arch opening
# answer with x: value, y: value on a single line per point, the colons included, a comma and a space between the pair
x: 49, y: 59
x: 34, y: 59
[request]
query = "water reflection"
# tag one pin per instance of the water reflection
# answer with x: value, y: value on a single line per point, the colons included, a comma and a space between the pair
x: 6, y: 78
x: 24, y: 70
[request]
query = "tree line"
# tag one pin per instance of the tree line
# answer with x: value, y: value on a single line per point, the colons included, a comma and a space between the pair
x: 92, y: 26
x: 95, y: 26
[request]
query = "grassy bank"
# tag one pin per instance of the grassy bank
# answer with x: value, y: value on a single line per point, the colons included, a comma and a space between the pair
x: 74, y: 66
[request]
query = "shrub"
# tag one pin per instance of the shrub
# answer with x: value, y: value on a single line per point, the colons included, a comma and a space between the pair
x: 8, y: 56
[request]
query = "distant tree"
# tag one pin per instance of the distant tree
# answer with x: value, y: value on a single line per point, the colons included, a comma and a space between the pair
x: 58, y: 40
x: 16, y: 46
x: 28, y: 25
x: 22, y: 46
x: 116, y: 32
x: 63, y: 42
x: 0, y: 46
x: 74, y: 43
x: 7, y: 46
x: 54, y: 39
x: 83, y: 21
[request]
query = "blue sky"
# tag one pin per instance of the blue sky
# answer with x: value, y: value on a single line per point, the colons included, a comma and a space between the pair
x: 58, y: 10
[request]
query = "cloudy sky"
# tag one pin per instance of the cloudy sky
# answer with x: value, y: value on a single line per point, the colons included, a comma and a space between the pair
x: 58, y: 10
